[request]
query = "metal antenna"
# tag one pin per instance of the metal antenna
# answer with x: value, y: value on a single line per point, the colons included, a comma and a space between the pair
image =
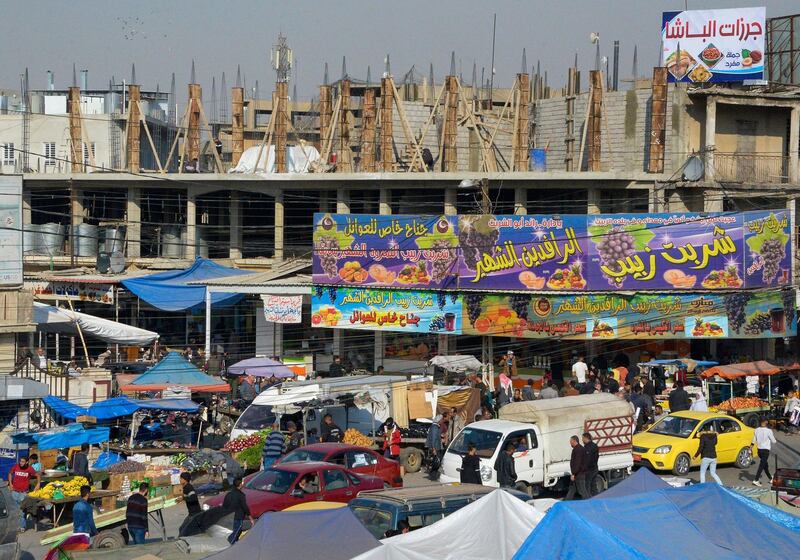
x: 388, y: 69
x: 635, y: 69
x: 213, y: 99
x: 474, y: 80
x: 244, y: 86
x: 294, y: 93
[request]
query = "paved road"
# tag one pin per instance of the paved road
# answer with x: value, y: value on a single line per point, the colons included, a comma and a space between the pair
x: 788, y: 453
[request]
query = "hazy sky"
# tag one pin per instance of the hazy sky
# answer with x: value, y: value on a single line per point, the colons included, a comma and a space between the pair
x: 106, y: 36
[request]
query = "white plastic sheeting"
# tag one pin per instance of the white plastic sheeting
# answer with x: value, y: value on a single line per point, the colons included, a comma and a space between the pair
x: 49, y: 318
x: 458, y: 363
x: 298, y: 159
x: 494, y: 526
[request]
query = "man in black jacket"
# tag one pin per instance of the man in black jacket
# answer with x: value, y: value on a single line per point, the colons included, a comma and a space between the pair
x: 506, y: 474
x: 235, y: 502
x: 577, y: 466
x: 189, y: 494
x: 336, y: 369
x: 592, y: 454
x: 679, y: 399
x: 330, y: 432
x: 80, y: 463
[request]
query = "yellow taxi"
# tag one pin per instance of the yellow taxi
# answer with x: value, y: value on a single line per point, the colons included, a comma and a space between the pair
x: 671, y: 443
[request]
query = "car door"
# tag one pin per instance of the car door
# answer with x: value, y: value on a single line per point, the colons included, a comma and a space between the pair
x: 338, y: 458
x: 694, y: 441
x: 362, y: 461
x: 336, y: 486
x: 525, y: 461
x: 728, y: 439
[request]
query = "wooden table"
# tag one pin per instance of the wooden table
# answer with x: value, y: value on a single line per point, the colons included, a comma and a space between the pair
x: 65, y: 502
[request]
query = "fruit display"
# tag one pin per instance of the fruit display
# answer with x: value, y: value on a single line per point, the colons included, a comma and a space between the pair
x: 530, y: 280
x: 126, y: 467
x: 352, y: 272
x: 679, y: 279
x: 71, y: 489
x: 567, y: 279
x: 354, y: 437
x: 707, y: 328
x: 601, y: 329
x: 381, y: 274
x: 727, y: 278
x: 737, y: 403
x: 241, y: 443
x: 735, y: 305
x: 329, y: 316
x: 411, y: 274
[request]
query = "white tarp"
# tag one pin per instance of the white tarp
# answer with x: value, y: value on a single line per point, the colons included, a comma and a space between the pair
x: 494, y: 526
x: 298, y: 159
x: 458, y: 363
x: 49, y: 318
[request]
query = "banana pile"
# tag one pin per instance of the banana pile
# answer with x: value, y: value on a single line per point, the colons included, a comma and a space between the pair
x: 354, y: 437
x: 71, y: 489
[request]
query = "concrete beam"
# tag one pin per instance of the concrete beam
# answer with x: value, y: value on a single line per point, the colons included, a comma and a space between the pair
x: 710, y: 138
x: 279, y: 225
x: 133, y: 221
x: 593, y: 201
x: 235, y: 244
x: 342, y: 201
x: 450, y: 198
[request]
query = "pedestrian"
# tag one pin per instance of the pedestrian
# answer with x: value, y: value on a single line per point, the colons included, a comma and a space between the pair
x: 707, y: 450
x: 517, y: 395
x: 274, y: 446
x: 527, y: 391
x: 136, y: 514
x: 391, y: 440
x: 678, y: 398
x: 19, y: 478
x: 471, y: 466
x: 592, y: 453
x: 33, y: 460
x: 433, y: 445
x: 330, y: 432
x: 235, y: 502
x: 763, y: 438
x: 189, y: 494
x: 41, y: 359
x: 549, y: 392
x: 504, y: 392
x: 482, y: 387
x: 80, y: 463
x: 444, y: 428
x: 699, y: 404
x: 295, y: 437
x: 504, y: 465
x: 83, y: 515
x: 658, y: 413
x: 510, y: 364
x: 579, y: 370
x: 456, y: 424
x: 577, y: 469
x: 336, y: 369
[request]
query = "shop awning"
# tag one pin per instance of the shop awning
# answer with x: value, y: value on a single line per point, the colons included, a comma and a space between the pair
x: 64, y: 409
x: 734, y: 371
x: 51, y: 319
x: 119, y: 407
x: 70, y: 435
x: 13, y: 388
x: 171, y: 291
x: 173, y: 371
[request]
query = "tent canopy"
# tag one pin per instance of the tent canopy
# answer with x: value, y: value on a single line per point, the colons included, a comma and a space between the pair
x: 458, y: 363
x: 333, y: 534
x: 65, y: 436
x: 261, y: 367
x: 123, y: 406
x: 641, y: 481
x: 171, y: 291
x: 64, y: 409
x: 492, y: 527
x: 734, y: 371
x: 51, y: 319
x: 696, y: 520
x: 175, y: 370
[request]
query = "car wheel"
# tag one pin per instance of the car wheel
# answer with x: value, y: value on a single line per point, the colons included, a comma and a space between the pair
x: 744, y: 458
x: 411, y: 459
x: 597, y: 484
x: 108, y: 539
x: 682, y: 465
x: 751, y: 419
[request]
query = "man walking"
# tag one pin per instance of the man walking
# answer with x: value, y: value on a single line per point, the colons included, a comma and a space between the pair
x: 136, y: 514
x: 82, y: 514
x: 330, y: 432
x: 274, y: 446
x: 506, y: 474
x: 707, y: 450
x: 579, y: 370
x: 577, y: 468
x: 19, y: 478
x: 592, y: 453
x: 763, y: 438
x: 678, y: 398
x: 189, y: 494
x: 235, y: 502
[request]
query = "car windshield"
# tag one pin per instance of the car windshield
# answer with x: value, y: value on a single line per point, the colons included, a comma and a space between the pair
x: 484, y: 440
x: 272, y: 480
x: 256, y: 417
x: 675, y: 426
x: 377, y: 521
x: 303, y: 455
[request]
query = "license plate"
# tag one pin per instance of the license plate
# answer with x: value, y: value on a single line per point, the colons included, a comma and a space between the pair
x: 637, y: 457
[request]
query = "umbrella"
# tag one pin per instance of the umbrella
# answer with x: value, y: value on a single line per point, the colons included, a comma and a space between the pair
x: 260, y: 367
x: 76, y: 542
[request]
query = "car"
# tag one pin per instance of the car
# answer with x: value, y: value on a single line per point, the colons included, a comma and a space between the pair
x: 671, y: 443
x: 281, y: 486
x: 352, y: 457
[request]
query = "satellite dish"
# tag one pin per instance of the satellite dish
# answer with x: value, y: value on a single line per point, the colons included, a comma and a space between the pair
x: 693, y: 169
x: 594, y: 37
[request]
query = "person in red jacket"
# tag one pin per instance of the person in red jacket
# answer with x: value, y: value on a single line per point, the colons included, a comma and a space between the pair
x: 391, y: 439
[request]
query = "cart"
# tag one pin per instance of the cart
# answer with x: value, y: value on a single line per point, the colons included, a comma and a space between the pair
x: 750, y: 416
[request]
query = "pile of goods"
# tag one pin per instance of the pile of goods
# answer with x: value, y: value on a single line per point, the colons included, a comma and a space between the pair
x: 247, y: 450
x: 126, y: 467
x: 203, y: 461
x: 161, y: 444
x: 737, y: 403
x: 354, y: 437
x: 70, y: 489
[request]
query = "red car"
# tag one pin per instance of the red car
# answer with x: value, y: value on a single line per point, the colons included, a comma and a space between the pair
x: 286, y: 485
x: 356, y: 459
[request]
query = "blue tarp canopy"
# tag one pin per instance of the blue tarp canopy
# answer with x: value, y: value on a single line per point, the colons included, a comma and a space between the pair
x: 64, y: 409
x: 171, y: 291
x: 124, y: 406
x: 70, y: 435
x: 641, y: 481
x: 172, y: 371
x: 699, y: 521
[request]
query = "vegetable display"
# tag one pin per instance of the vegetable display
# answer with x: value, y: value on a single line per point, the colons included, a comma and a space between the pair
x: 741, y: 402
x: 126, y: 467
x: 354, y: 437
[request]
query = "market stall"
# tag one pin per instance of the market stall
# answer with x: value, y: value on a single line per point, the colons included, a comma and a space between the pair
x: 173, y: 370
x: 727, y: 390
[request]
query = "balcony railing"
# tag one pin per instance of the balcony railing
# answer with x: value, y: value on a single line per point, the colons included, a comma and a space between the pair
x: 751, y: 168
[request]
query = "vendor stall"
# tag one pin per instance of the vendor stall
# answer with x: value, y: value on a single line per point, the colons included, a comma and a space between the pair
x: 173, y: 371
x: 729, y: 396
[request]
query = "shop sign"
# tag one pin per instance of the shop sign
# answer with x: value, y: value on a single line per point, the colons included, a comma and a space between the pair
x: 282, y: 309
x: 767, y: 314
x: 707, y: 46
x: 386, y: 310
x: 75, y: 291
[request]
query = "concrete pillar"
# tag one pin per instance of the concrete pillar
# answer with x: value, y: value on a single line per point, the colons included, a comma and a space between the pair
x: 385, y: 201
x: 190, y: 250
x: 279, y: 223
x: 324, y: 116
x: 76, y: 217
x: 342, y: 201
x: 368, y: 131
x: 520, y: 200
x: 338, y: 342
x: 26, y: 209
x: 193, y: 133
x: 593, y: 201
x: 450, y: 198
x: 133, y: 215
x: 522, y: 128
x: 380, y: 347
x: 710, y: 139
x: 450, y: 159
x: 281, y: 117
x: 344, y: 163
x: 387, y: 150
x: 235, y: 245
x: 794, y: 145
x: 712, y: 200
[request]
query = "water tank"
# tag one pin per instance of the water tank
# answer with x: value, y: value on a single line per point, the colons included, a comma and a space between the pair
x: 29, y: 234
x: 171, y: 246
x: 51, y: 239
x: 112, y: 103
x: 37, y: 104
x: 84, y: 240
x: 114, y: 240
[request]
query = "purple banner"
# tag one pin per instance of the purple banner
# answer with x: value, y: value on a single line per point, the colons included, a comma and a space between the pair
x: 767, y: 238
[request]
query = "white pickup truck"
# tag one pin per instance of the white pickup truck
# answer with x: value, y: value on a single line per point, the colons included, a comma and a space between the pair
x: 541, y: 431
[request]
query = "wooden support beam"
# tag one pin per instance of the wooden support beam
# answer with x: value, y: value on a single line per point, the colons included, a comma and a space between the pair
x: 281, y: 117
x: 325, y: 108
x: 237, y: 124
x: 387, y: 149
x: 412, y: 142
x: 595, y: 120
x: 193, y: 135
x: 344, y: 162
x: 133, y: 130
x: 75, y: 135
x: 522, y: 129
x: 368, y: 122
x: 450, y: 125
x: 658, y: 120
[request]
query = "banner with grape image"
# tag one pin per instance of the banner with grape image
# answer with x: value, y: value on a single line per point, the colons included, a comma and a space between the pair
x: 767, y: 314
x: 523, y: 252
x: 385, y: 251
x: 768, y: 242
x: 386, y: 310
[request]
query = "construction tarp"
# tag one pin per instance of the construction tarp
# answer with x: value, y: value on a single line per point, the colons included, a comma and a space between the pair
x: 298, y: 159
x: 492, y: 527
x: 171, y: 290
x: 641, y: 481
x: 70, y: 435
x: 173, y: 370
x: 698, y: 521
x: 51, y: 319
x: 735, y: 371
x: 64, y: 409
x: 119, y: 407
x: 332, y: 534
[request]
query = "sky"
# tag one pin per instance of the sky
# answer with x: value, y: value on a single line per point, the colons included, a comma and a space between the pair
x: 106, y: 37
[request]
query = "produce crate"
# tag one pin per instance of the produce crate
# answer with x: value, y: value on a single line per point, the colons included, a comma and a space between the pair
x: 162, y: 491
x: 177, y: 490
x: 115, y: 481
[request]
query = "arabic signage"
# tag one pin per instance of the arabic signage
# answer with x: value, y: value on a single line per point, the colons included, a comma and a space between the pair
x: 386, y: 310
x: 767, y: 241
x: 388, y: 251
x: 768, y: 314
x: 283, y: 309
x: 11, y: 230
x: 75, y: 291
x: 714, y: 45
